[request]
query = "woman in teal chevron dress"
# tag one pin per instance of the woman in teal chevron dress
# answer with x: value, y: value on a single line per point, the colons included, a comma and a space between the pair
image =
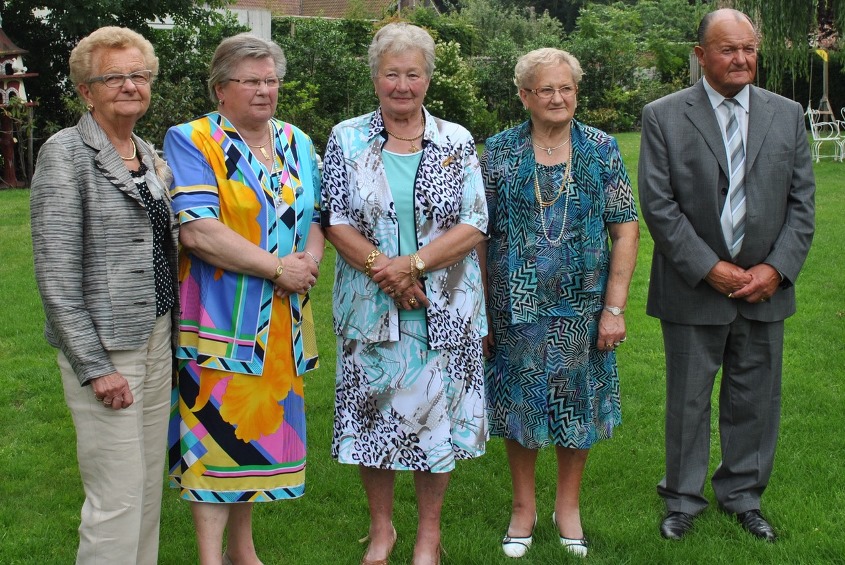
x: 556, y: 190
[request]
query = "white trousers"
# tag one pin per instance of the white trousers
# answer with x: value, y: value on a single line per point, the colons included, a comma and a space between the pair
x: 121, y: 455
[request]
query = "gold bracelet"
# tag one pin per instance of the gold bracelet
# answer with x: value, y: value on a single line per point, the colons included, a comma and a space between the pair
x: 418, y: 264
x: 413, y: 269
x: 368, y: 263
x: 279, y: 270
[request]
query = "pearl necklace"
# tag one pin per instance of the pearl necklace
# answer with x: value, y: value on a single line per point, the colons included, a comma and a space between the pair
x: 564, y: 189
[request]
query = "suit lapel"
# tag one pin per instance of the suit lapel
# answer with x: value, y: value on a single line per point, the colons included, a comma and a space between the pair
x: 700, y: 113
x: 107, y: 159
x: 760, y: 118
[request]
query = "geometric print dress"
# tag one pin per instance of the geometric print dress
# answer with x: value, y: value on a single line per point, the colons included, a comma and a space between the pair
x: 546, y: 381
x: 234, y: 436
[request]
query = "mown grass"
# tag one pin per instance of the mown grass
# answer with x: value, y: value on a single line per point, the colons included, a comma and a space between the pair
x: 40, y: 492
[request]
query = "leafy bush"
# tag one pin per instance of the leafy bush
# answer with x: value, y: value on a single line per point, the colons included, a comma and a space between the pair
x: 453, y: 94
x: 328, y: 59
x: 180, y: 92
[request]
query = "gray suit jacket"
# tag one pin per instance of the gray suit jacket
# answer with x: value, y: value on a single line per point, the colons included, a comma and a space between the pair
x: 93, y: 248
x: 683, y: 183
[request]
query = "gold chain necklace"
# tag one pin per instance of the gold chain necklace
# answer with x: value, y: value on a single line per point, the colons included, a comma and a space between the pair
x: 549, y: 150
x: 413, y: 148
x: 261, y: 147
x: 564, y: 189
x: 567, y: 178
x: 134, y: 151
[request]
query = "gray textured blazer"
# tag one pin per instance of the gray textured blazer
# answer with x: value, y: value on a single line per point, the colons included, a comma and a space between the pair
x: 93, y: 248
x: 683, y: 182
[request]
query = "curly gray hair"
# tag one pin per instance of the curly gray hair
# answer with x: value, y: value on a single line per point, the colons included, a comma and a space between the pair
x: 527, y: 65
x: 400, y: 37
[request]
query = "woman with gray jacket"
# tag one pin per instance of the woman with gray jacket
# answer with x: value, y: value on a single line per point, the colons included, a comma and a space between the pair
x: 104, y: 243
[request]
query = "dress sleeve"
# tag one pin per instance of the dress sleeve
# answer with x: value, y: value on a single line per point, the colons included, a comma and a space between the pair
x: 473, y: 203
x: 620, y: 206
x: 194, y: 188
x: 490, y: 192
x: 335, y: 185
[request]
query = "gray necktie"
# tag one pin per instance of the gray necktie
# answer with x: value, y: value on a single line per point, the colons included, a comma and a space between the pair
x: 733, y: 215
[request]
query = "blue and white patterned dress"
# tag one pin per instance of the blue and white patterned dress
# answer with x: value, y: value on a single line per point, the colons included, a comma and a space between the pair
x: 546, y: 381
x: 409, y: 394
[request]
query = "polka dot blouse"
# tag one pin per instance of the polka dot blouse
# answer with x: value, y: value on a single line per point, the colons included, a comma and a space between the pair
x: 159, y: 215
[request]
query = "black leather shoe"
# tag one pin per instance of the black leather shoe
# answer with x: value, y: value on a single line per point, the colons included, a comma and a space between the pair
x: 754, y: 523
x: 676, y: 524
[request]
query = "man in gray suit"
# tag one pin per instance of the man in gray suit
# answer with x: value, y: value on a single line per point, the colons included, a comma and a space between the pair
x: 727, y: 190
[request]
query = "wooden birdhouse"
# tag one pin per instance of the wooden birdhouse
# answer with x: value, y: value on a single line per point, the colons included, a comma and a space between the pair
x: 12, y: 76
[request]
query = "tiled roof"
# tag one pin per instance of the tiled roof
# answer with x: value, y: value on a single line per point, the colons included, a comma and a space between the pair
x: 324, y: 8
x: 277, y: 7
x: 341, y: 8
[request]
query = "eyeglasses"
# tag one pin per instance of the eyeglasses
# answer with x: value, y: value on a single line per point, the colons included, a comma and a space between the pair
x: 272, y: 82
x: 547, y: 92
x: 117, y: 80
x: 393, y: 77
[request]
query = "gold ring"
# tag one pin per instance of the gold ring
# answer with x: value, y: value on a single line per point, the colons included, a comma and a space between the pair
x: 412, y: 301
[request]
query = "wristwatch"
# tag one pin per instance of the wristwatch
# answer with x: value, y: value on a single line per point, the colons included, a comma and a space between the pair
x: 615, y: 310
x: 419, y: 264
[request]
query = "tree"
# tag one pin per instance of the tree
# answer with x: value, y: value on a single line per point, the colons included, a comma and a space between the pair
x: 453, y: 93
x: 566, y: 11
x: 180, y: 93
x: 791, y: 28
x: 50, y: 35
x: 631, y: 55
x: 326, y: 59
x: 503, y: 35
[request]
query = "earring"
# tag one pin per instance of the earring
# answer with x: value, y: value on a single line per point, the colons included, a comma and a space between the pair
x: 220, y: 102
x: 89, y: 107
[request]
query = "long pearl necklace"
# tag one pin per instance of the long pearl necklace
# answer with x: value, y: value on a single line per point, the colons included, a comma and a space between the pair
x: 563, y: 189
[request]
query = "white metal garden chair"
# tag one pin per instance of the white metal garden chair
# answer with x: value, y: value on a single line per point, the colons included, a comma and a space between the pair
x: 825, y: 133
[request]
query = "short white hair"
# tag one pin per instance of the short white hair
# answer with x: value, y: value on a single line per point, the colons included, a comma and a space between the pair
x: 401, y: 37
x: 527, y: 65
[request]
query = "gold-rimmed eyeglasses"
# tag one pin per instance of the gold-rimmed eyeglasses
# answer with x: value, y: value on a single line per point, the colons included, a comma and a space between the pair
x: 272, y: 82
x: 116, y: 80
x: 548, y: 92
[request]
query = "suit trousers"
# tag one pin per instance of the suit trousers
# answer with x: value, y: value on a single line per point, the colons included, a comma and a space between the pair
x: 750, y: 354
x: 121, y: 455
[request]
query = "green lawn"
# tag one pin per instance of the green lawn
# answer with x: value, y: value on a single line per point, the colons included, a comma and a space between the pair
x: 40, y: 492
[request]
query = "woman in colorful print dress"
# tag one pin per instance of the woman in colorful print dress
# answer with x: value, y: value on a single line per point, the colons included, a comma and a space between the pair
x: 403, y: 203
x: 104, y: 245
x: 556, y: 291
x: 246, y: 189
